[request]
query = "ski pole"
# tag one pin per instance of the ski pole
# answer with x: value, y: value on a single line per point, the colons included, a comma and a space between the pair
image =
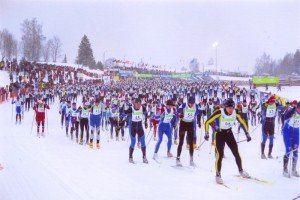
x: 242, y: 141
x: 32, y: 124
x: 150, y: 139
x: 12, y: 112
x: 201, y: 144
x: 288, y: 153
x: 47, y: 123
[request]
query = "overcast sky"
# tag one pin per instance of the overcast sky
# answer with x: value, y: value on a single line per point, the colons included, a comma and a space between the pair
x: 168, y: 33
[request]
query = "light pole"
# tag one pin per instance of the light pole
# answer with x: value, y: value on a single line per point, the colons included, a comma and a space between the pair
x: 104, y: 59
x: 215, y: 45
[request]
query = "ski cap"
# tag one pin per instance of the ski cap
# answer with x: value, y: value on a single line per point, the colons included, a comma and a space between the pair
x: 272, y: 99
x: 170, y: 103
x: 229, y: 103
x: 294, y: 102
x: 191, y: 100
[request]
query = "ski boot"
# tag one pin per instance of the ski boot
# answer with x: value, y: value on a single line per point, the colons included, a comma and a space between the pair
x: 155, y: 156
x: 270, y: 152
x: 98, y: 145
x: 219, y: 179
x: 263, y: 156
x: 131, y: 161
x: 178, y: 163
x: 169, y: 154
x: 81, y: 142
x: 244, y: 174
x: 91, y: 145
x: 145, y: 160
x: 286, y: 173
x: 192, y: 164
x: 294, y: 170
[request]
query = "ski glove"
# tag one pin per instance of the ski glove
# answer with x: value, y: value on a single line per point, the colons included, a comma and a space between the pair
x: 248, y: 138
x: 206, y: 137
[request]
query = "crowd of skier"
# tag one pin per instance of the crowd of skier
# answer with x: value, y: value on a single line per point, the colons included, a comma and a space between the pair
x: 177, y: 108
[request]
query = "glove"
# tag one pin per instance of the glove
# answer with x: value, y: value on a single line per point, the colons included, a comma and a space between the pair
x: 248, y: 138
x: 206, y: 137
x: 146, y: 125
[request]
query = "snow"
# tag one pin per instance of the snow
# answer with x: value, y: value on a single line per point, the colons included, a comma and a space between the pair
x: 289, y: 92
x: 229, y: 78
x: 55, y: 167
x: 4, y: 78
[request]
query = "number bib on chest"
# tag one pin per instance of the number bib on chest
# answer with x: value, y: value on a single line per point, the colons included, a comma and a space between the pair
x: 85, y: 113
x: 137, y: 115
x: 41, y: 108
x: 168, y: 117
x: 271, y: 111
x: 189, y: 114
x: 96, y: 110
x: 295, y: 121
x: 227, y: 121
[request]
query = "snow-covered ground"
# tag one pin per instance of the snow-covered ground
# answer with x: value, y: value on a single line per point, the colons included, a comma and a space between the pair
x: 57, y: 168
x: 4, y: 78
x: 229, y: 78
x: 289, y: 92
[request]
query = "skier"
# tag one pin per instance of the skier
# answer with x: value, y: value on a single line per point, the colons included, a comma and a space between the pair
x: 95, y: 118
x: 188, y: 114
x: 67, y: 110
x: 62, y: 110
x: 291, y: 139
x: 74, y: 121
x: 268, y: 112
x: 84, y: 114
x: 18, y: 103
x: 137, y: 112
x: 40, y: 109
x: 167, y: 118
x: 224, y: 119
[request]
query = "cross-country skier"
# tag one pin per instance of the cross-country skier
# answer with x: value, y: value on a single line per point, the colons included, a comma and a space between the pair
x: 291, y: 139
x: 138, y: 112
x: 167, y: 121
x: 268, y: 112
x: 188, y: 114
x: 40, y: 109
x: 224, y: 119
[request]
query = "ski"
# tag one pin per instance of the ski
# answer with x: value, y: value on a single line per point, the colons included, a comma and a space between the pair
x: 298, y: 197
x: 226, y: 186
x: 157, y: 161
x: 255, y: 179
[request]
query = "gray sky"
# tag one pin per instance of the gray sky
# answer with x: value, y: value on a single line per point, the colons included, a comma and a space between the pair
x: 168, y: 33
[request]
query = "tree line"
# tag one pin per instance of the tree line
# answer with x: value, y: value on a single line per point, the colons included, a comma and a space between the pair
x: 289, y: 64
x: 35, y: 46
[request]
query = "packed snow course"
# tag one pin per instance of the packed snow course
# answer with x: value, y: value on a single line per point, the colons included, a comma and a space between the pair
x: 54, y: 167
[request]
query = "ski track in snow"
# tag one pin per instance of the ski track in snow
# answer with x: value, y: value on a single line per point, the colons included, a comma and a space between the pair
x: 55, y: 167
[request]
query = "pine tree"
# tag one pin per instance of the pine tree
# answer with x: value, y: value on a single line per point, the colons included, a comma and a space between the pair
x: 99, y: 65
x: 65, y: 59
x: 85, y: 53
